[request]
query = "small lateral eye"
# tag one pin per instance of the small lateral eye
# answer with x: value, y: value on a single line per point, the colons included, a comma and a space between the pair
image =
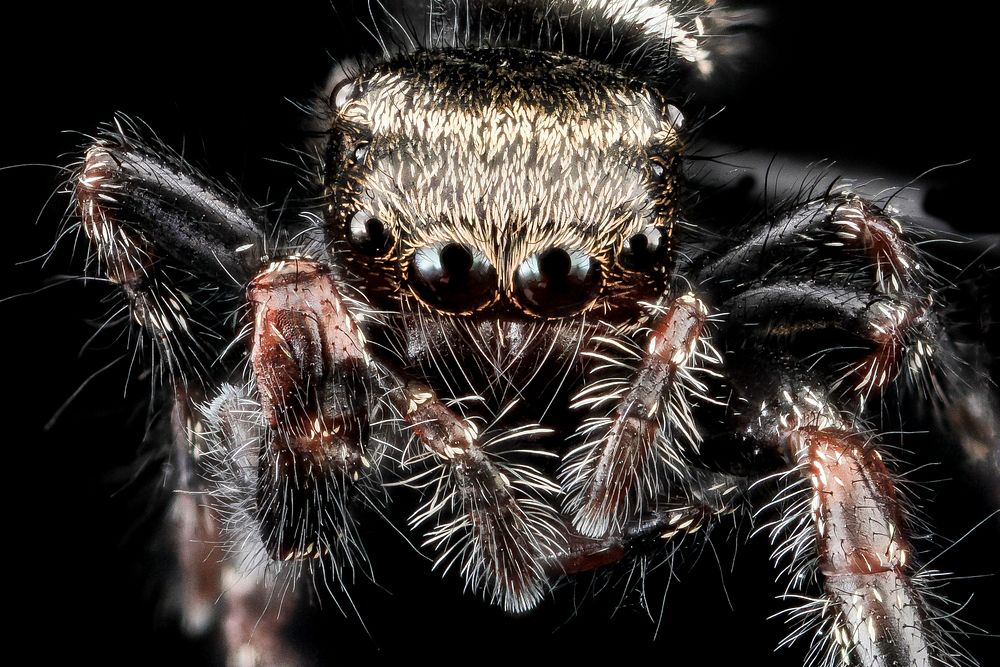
x: 645, y: 250
x: 361, y: 152
x: 658, y: 170
x: 369, y: 235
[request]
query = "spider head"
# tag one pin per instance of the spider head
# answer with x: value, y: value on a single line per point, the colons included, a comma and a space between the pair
x: 503, y: 183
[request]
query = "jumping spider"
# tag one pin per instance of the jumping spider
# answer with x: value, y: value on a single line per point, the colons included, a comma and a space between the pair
x: 499, y: 299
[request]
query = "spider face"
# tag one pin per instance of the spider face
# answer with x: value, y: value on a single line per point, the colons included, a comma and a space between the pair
x: 512, y: 184
x: 498, y: 299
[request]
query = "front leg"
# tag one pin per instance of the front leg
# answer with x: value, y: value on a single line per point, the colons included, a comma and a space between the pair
x: 289, y: 458
x: 179, y: 248
x: 311, y: 369
x: 630, y: 453
x: 842, y: 265
x: 182, y: 251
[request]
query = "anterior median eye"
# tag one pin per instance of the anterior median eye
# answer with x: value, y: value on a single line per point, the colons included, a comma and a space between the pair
x: 557, y: 282
x: 369, y: 235
x: 453, y: 277
x: 644, y: 250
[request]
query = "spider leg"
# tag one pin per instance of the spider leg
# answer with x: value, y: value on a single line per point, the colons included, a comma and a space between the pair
x: 846, y: 525
x: 838, y: 261
x: 257, y: 605
x: 860, y: 537
x: 670, y: 520
x: 179, y: 247
x: 870, y: 242
x: 495, y: 524
x: 630, y: 454
x: 903, y: 339
x: 195, y: 528
x: 311, y: 370
x: 182, y: 249
x: 899, y: 334
x: 869, y: 305
x: 288, y: 468
x: 841, y: 262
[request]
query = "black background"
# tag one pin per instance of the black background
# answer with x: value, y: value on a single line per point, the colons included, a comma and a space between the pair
x: 890, y: 89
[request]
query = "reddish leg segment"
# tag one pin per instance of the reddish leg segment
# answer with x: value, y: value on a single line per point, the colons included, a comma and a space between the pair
x: 223, y: 584
x: 877, y: 614
x: 847, y: 528
x: 310, y: 365
x: 613, y: 476
x: 195, y: 525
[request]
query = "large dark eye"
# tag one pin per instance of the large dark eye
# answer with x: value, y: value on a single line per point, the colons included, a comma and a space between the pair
x: 369, y: 235
x: 453, y: 277
x: 557, y: 282
x: 645, y: 250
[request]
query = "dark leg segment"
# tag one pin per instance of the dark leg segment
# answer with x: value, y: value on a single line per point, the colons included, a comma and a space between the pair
x: 166, y: 206
x: 174, y: 242
x: 866, y: 237
x: 838, y: 262
x: 900, y: 334
x: 670, y: 521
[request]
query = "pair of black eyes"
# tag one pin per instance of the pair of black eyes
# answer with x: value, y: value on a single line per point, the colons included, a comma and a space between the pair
x: 553, y: 283
x: 370, y: 236
x: 458, y: 279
